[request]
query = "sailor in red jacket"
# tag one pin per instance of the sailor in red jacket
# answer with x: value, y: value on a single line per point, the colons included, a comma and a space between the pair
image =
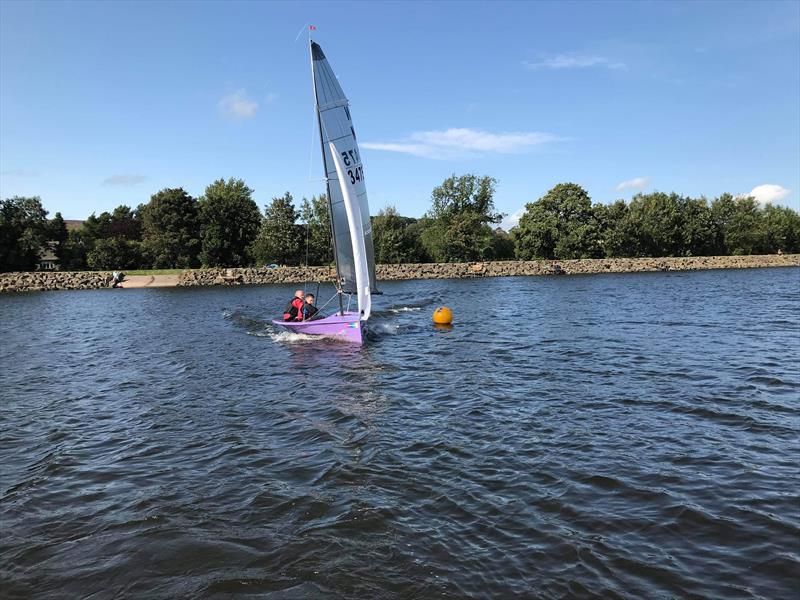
x: 294, y: 310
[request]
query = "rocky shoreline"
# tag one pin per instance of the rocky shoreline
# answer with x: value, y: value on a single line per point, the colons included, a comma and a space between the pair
x: 83, y: 280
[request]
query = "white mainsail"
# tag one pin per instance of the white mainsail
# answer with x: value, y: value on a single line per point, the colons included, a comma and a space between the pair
x: 344, y: 174
x: 351, y: 205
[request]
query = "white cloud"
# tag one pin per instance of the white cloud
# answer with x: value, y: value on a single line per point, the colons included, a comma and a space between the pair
x: 239, y: 105
x: 415, y: 149
x: 512, y: 220
x: 124, y: 180
x: 637, y: 183
x: 768, y: 192
x: 573, y: 61
x: 460, y: 142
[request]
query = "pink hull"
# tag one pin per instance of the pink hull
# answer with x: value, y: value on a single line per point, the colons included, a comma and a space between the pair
x: 347, y: 327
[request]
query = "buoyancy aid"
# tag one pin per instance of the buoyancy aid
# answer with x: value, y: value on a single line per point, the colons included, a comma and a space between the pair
x: 293, y: 310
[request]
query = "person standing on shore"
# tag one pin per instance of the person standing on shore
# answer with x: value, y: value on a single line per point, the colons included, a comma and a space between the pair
x: 294, y: 309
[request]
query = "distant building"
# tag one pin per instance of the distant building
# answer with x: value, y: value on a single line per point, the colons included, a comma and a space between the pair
x: 48, y: 261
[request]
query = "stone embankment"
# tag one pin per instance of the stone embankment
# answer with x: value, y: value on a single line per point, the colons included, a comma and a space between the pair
x: 37, y: 281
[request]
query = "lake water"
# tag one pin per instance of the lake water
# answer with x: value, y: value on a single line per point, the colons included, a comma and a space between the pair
x: 630, y: 436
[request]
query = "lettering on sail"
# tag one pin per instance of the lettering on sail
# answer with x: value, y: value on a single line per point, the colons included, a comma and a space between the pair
x: 352, y: 160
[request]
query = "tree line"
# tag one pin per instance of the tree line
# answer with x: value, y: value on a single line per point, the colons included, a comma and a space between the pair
x: 225, y: 227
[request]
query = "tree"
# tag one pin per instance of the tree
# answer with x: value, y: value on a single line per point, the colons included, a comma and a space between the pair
x: 780, y: 230
x: 415, y: 230
x: 124, y: 223
x: 654, y: 225
x: 57, y: 234
x: 229, y: 220
x: 315, y: 215
x: 561, y: 224
x: 57, y: 228
x: 170, y: 230
x: 114, y: 253
x: 457, y: 227
x: 96, y: 228
x: 502, y: 245
x: 75, y: 251
x: 739, y: 224
x: 392, y: 238
x: 279, y: 238
x: 23, y: 233
x: 610, y: 218
x: 699, y: 230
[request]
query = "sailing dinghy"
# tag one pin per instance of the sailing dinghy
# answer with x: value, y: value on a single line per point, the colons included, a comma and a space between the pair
x: 351, y: 229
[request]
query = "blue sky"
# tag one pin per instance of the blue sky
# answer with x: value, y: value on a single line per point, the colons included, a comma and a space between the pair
x: 105, y: 103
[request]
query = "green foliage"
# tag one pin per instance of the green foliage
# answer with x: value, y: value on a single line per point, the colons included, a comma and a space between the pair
x: 317, y: 230
x: 170, y: 230
x: 123, y: 223
x: 461, y: 238
x: 80, y: 249
x: 23, y: 233
x: 780, y: 230
x: 279, y: 238
x: 561, y: 224
x: 700, y: 233
x: 457, y: 228
x: 393, y: 239
x: 465, y: 194
x: 610, y: 219
x: 657, y: 224
x: 57, y: 234
x: 92, y: 230
x: 654, y: 225
x: 114, y: 253
x: 75, y: 251
x: 57, y: 229
x: 502, y: 245
x: 739, y: 225
x: 230, y: 220
x: 415, y: 230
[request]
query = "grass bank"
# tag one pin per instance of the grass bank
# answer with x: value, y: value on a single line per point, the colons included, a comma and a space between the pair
x: 154, y: 272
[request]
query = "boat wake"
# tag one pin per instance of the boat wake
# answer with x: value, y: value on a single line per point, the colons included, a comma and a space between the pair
x: 397, y: 310
x: 241, y: 319
x: 290, y: 337
x: 265, y: 329
x: 382, y: 328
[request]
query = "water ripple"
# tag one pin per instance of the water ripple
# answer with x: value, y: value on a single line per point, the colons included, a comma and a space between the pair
x: 628, y: 436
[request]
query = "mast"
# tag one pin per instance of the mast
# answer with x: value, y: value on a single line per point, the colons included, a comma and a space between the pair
x: 327, y: 180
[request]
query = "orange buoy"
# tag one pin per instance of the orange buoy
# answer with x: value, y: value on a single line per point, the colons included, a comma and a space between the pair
x: 442, y: 316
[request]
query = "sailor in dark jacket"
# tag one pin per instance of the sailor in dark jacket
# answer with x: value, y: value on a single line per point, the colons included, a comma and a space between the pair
x: 309, y: 310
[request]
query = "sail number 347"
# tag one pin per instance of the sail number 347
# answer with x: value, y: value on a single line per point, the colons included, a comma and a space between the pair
x: 357, y: 172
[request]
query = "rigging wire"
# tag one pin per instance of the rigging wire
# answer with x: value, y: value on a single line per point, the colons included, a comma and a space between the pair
x: 299, y: 33
x: 313, y: 142
x: 308, y: 227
